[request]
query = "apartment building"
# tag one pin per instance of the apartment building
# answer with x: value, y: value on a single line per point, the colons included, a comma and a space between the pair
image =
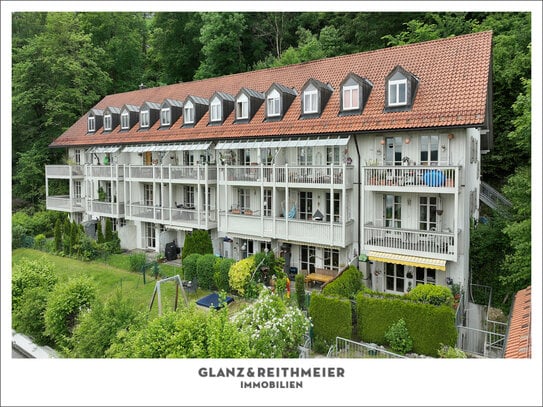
x: 370, y: 159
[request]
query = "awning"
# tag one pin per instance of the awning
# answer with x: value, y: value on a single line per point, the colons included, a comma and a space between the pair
x: 104, y: 149
x: 167, y: 147
x: 248, y: 237
x: 291, y: 142
x: 407, y: 260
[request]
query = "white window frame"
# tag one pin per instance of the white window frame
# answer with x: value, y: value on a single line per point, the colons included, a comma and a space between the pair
x: 91, y: 124
x: 188, y: 113
x: 354, y: 102
x: 396, y: 274
x: 144, y: 118
x: 394, y: 92
x: 426, y: 276
x: 273, y: 104
x: 125, y: 120
x: 165, y: 116
x: 242, y: 107
x: 331, y: 259
x: 311, y: 104
x: 215, y: 110
x: 108, y: 122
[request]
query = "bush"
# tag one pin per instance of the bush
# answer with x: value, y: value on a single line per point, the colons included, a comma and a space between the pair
x: 431, y: 294
x: 398, y: 337
x: 29, y: 317
x: 222, y: 268
x: 190, y: 267
x: 136, y: 261
x: 299, y: 282
x: 108, y: 236
x: 240, y: 274
x: 58, y: 235
x: 451, y: 352
x: 347, y: 284
x: 198, y: 241
x: 331, y: 316
x: 39, y: 241
x: 30, y: 274
x: 205, y: 268
x: 65, y: 303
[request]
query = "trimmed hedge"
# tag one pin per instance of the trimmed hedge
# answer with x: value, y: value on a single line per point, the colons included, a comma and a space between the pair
x: 198, y: 241
x: 431, y: 294
x: 331, y: 317
x: 190, y: 268
x: 299, y: 282
x: 430, y: 326
x: 205, y: 268
x: 222, y: 268
x: 347, y: 284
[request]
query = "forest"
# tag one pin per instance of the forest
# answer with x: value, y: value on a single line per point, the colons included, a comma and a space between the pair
x: 65, y: 62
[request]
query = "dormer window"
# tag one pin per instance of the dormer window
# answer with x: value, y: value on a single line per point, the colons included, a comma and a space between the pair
x: 273, y: 104
x: 351, y: 97
x: 91, y: 124
x: 125, y: 120
x: 400, y: 90
x: 165, y: 116
x: 188, y: 112
x: 242, y: 107
x: 107, y: 122
x: 144, y: 118
x: 215, y: 110
x: 355, y: 92
x: 310, y: 100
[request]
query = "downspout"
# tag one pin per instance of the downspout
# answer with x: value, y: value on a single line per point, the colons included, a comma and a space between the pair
x: 359, y: 196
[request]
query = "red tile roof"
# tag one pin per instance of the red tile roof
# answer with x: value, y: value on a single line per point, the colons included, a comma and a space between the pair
x: 453, y: 74
x: 519, y: 337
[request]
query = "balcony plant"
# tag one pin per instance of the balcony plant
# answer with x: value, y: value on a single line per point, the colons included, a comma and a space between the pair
x: 101, y: 194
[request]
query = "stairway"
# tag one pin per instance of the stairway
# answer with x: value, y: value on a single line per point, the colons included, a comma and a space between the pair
x: 493, y: 198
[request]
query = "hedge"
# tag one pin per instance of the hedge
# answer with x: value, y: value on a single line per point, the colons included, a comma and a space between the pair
x: 347, y: 284
x: 331, y: 317
x: 222, y: 268
x: 205, y: 268
x: 428, y: 325
x: 190, y: 269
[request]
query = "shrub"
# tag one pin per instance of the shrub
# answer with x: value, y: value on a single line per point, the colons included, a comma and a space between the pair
x: 65, y: 303
x: 108, y: 236
x: 299, y: 282
x: 431, y: 294
x: 58, y: 235
x: 240, y: 274
x: 29, y: 317
x: 398, y: 337
x: 99, y: 234
x: 18, y: 233
x: 222, y: 268
x: 331, y: 317
x: 347, y: 284
x: 136, y: 261
x: 198, y: 241
x: 88, y: 248
x: 205, y: 267
x: 451, y: 352
x: 190, y: 267
x: 30, y: 274
x: 39, y: 241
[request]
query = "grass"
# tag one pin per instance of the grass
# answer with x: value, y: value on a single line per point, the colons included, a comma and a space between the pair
x: 112, y: 275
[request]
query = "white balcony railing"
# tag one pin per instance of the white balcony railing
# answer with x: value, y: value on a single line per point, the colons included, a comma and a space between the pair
x: 439, y: 245
x: 324, y: 175
x: 190, y: 173
x: 105, y: 171
x: 409, y: 177
x: 110, y: 209
x: 64, y: 203
x: 196, y: 218
x: 64, y: 171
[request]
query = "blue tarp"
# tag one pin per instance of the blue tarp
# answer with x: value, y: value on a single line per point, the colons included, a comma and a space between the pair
x: 434, y: 178
x: 212, y: 301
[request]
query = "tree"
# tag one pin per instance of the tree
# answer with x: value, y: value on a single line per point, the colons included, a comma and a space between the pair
x: 108, y: 237
x: 30, y: 167
x: 58, y: 235
x: 198, y: 241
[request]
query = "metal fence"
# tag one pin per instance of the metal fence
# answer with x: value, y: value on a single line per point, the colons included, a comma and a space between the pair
x: 345, y: 348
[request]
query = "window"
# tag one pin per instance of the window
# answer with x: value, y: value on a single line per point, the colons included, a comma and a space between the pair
x: 310, y: 100
x: 125, y: 120
x: 165, y: 116
x: 395, y: 277
x: 305, y: 155
x: 397, y: 92
x: 307, y: 258
x: 331, y: 259
x: 393, y: 151
x: 144, y: 118
x: 427, y: 213
x: 77, y: 189
x: 274, y: 103
x: 264, y: 246
x: 350, y: 97
x: 91, y: 124
x: 189, y: 112
x: 188, y: 158
x: 188, y: 196
x: 393, y: 211
x: 306, y: 205
x: 148, y: 195
x: 332, y: 155
x: 77, y: 155
x: 244, y: 198
x: 332, y: 207
x: 149, y: 237
x: 428, y: 150
x: 244, y: 155
x: 242, y: 107
x: 107, y: 122
x: 215, y: 109
x: 267, y: 202
x: 425, y: 276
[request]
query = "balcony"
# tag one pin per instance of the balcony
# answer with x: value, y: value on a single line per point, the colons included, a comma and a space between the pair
x: 64, y: 171
x: 436, y: 245
x: 191, y: 174
x: 439, y: 179
x: 184, y: 218
x: 64, y: 203
x: 324, y: 176
x: 338, y: 234
x: 108, y: 209
x: 111, y: 172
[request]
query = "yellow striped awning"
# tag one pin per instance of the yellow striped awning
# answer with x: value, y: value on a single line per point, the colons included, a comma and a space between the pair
x: 407, y: 260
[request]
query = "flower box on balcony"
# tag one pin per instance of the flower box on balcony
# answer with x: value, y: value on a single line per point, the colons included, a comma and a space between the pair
x: 236, y: 211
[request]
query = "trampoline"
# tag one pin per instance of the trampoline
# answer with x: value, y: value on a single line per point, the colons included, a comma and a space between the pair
x: 212, y: 301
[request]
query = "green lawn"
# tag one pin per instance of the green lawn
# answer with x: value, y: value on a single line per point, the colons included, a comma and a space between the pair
x: 111, y: 276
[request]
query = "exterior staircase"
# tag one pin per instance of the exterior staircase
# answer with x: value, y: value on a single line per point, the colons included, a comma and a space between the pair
x: 493, y: 198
